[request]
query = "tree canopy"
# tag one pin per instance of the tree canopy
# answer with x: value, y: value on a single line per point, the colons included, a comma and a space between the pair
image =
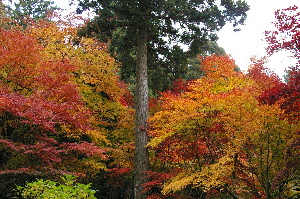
x: 168, y: 23
x: 23, y: 10
x: 62, y: 107
x: 219, y: 137
x: 216, y: 132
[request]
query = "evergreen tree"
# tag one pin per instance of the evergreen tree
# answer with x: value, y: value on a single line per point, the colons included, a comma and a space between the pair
x: 149, y: 28
x: 22, y: 10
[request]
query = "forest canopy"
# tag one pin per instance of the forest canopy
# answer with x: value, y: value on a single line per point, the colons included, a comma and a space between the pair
x: 70, y: 105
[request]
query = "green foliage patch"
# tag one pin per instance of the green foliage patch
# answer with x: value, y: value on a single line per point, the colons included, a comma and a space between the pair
x: 47, y: 189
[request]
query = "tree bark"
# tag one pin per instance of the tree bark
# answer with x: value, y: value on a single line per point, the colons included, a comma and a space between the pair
x: 141, y: 159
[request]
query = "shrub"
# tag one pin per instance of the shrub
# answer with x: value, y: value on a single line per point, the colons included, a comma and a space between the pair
x: 54, y: 190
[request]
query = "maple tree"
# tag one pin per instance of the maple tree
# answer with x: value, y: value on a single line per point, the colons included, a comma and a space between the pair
x: 96, y: 75
x: 219, y: 135
x: 286, y: 37
x: 64, y: 110
x: 62, y: 105
x: 286, y: 34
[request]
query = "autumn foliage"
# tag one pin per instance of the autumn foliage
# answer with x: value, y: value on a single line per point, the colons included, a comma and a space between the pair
x: 228, y: 134
x: 287, y: 35
x: 61, y: 103
x: 224, y: 141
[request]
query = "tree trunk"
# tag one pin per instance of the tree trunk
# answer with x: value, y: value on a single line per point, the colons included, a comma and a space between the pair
x: 141, y: 159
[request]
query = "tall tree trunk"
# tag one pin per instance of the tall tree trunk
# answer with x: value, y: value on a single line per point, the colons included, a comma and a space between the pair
x: 141, y: 159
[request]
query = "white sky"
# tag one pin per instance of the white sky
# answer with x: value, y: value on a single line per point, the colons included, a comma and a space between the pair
x: 249, y: 41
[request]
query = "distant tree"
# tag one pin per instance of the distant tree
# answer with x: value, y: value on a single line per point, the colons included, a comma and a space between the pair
x: 23, y: 10
x: 194, y: 61
x: 4, y: 18
x: 145, y: 24
x: 3, y: 12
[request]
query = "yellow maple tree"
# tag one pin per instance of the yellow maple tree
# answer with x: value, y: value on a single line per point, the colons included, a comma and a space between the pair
x: 95, y: 73
x: 219, y: 134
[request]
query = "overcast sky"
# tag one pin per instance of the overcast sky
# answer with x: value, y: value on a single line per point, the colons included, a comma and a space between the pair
x: 249, y: 41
